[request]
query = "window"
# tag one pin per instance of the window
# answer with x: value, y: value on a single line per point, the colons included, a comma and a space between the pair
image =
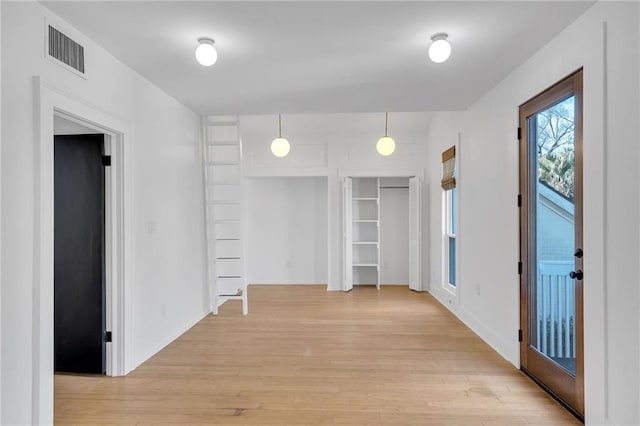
x: 450, y: 215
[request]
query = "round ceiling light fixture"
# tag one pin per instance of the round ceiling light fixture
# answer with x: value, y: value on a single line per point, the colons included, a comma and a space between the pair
x: 206, y: 54
x: 440, y: 49
x: 280, y: 146
x: 386, y: 145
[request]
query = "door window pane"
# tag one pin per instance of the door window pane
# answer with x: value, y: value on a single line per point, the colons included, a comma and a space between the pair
x: 553, y: 331
x: 452, y: 261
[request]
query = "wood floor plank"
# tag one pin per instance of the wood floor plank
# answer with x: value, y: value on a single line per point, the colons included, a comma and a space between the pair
x: 305, y: 356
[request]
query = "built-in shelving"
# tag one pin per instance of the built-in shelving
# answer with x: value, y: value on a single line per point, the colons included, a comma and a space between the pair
x: 365, y: 242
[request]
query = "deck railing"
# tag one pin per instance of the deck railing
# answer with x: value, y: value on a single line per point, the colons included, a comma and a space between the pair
x: 556, y: 316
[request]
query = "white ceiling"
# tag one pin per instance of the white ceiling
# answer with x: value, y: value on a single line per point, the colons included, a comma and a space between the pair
x: 311, y: 57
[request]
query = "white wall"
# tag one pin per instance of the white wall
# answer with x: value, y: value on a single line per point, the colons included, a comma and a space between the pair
x: 487, y: 298
x: 1, y: 317
x: 287, y: 230
x: 333, y: 145
x: 168, y: 287
x: 394, y: 236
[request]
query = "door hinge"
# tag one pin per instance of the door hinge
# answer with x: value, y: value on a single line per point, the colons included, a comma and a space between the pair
x: 519, y: 133
x: 520, y: 335
x: 519, y: 200
x: 519, y: 268
x: 106, y: 160
x: 107, y: 336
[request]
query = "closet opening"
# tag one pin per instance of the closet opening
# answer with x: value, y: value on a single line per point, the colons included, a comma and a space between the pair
x: 381, y: 227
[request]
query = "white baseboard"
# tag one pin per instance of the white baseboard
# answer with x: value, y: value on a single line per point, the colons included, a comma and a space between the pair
x: 497, y: 342
x: 170, y: 339
x: 280, y: 282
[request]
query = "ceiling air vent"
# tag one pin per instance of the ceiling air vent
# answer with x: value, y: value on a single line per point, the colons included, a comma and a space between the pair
x: 66, y: 50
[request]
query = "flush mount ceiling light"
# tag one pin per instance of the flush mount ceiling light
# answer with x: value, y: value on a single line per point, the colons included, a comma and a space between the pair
x: 440, y: 49
x: 205, y: 52
x: 386, y: 145
x: 280, y: 146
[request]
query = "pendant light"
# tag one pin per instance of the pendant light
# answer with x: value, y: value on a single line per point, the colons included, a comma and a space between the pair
x: 386, y: 145
x: 206, y: 54
x: 280, y: 146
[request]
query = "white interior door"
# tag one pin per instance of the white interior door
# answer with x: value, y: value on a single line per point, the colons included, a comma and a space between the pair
x: 347, y: 232
x: 415, y: 234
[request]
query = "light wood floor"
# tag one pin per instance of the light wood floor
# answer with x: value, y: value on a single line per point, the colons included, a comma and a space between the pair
x: 305, y: 356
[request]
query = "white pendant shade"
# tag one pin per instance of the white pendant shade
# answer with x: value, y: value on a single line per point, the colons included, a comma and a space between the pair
x: 386, y: 145
x: 440, y: 49
x: 206, y: 54
x: 280, y: 147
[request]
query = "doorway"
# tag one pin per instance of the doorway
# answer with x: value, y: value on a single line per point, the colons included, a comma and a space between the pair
x: 364, y: 257
x: 394, y: 231
x: 79, y: 254
x: 551, y: 249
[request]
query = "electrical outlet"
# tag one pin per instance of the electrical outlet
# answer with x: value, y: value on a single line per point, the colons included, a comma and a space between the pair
x: 152, y: 227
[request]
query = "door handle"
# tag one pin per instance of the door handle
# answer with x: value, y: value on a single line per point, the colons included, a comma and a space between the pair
x: 577, y: 275
x: 578, y: 253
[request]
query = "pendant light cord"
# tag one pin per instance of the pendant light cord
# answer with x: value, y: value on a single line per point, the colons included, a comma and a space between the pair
x: 279, y: 126
x: 386, y: 116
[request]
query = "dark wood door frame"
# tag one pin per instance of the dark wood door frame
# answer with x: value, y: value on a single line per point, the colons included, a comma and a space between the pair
x: 560, y: 383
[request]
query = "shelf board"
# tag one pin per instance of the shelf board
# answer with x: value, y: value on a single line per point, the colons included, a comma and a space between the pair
x: 226, y: 221
x: 365, y: 221
x: 365, y: 199
x: 365, y: 243
x: 365, y: 264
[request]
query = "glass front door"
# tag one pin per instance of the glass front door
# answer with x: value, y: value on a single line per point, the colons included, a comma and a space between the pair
x: 551, y: 237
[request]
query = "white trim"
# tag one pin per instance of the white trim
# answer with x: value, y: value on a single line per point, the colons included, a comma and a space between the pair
x: 50, y: 101
x: 286, y: 282
x: 1, y: 383
x: 208, y: 253
x: 380, y: 173
x: 450, y: 289
x: 594, y: 211
x: 485, y: 332
x: 172, y: 337
x: 261, y: 172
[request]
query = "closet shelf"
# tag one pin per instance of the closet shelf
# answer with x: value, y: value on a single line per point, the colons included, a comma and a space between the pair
x: 365, y: 221
x: 365, y: 243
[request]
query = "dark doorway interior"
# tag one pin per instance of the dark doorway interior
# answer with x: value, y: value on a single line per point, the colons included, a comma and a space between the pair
x: 79, y: 285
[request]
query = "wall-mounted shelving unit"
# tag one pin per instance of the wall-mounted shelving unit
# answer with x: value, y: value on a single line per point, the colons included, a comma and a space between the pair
x: 365, y: 231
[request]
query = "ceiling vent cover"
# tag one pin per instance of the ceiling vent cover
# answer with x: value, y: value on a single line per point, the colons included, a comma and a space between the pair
x: 66, y: 50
